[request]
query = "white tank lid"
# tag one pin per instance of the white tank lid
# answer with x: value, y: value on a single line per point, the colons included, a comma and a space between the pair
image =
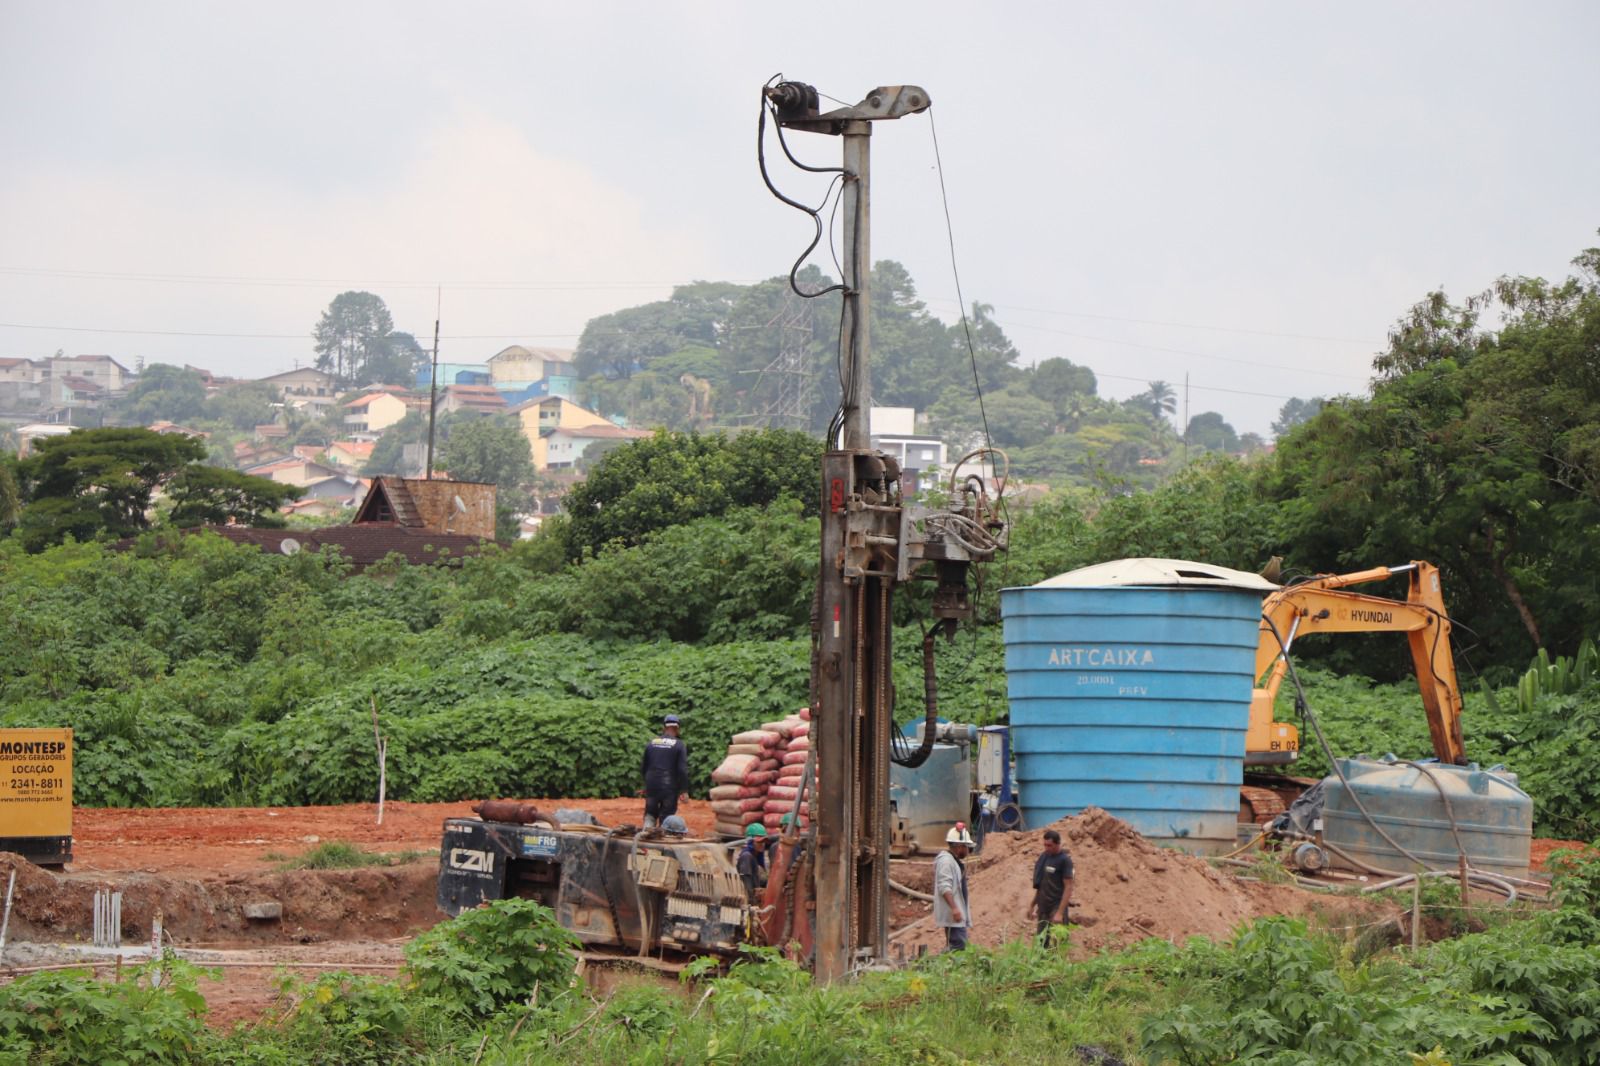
x: 1157, y: 573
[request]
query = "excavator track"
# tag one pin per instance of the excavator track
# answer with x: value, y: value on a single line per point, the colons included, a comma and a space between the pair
x: 1259, y: 805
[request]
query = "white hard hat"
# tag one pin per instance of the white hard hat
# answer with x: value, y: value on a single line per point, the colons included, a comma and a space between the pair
x: 958, y: 835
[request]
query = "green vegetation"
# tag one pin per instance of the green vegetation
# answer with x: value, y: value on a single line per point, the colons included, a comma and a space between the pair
x: 497, y: 985
x: 342, y: 855
x: 99, y: 483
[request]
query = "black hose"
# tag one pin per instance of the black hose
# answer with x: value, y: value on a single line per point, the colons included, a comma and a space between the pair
x: 930, y: 696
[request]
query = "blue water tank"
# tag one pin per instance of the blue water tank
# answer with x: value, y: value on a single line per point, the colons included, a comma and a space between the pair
x: 1494, y: 816
x: 1129, y: 687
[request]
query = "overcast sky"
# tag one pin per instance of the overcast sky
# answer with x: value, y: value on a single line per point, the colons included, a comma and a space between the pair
x: 1244, y: 193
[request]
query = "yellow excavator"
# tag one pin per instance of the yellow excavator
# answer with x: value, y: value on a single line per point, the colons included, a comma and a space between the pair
x: 1321, y: 605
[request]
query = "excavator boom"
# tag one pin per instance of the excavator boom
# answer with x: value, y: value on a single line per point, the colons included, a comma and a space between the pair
x: 1321, y: 606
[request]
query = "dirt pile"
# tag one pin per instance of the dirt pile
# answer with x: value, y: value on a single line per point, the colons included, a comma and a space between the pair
x: 1125, y: 889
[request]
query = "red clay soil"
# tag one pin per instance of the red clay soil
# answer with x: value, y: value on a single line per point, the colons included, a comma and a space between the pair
x: 1127, y: 889
x: 205, y: 840
x: 1540, y: 853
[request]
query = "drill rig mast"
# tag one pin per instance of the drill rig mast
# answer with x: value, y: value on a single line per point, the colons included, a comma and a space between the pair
x: 873, y: 538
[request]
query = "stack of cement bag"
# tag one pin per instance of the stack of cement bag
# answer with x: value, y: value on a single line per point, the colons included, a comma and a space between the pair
x: 760, y: 777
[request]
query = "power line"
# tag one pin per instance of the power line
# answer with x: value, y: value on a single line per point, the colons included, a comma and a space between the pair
x: 307, y: 336
x: 1182, y: 351
x: 950, y: 233
x: 1172, y: 325
x: 231, y: 279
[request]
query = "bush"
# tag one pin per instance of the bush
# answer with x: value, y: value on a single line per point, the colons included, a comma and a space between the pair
x: 488, y: 957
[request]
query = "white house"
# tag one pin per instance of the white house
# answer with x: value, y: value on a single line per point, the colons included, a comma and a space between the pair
x: 894, y: 431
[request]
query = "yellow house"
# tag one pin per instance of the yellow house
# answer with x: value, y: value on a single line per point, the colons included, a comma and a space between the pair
x: 374, y: 412
x: 543, y: 416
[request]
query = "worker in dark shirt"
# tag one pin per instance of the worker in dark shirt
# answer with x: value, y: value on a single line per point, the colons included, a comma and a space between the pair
x: 1052, y: 886
x: 666, y: 773
x: 752, y: 860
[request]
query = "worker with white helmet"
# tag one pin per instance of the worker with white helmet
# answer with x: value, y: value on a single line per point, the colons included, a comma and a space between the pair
x: 950, y: 910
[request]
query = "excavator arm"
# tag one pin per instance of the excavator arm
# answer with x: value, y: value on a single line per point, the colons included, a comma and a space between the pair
x: 1322, y: 606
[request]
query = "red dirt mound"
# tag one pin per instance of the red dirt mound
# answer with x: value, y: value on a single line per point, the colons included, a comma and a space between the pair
x: 1125, y: 889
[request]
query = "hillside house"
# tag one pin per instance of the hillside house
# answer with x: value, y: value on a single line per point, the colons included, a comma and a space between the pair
x: 921, y: 456
x: 474, y: 399
x: 453, y: 374
x: 304, y: 387
x: 375, y: 412
x: 292, y: 471
x: 350, y: 454
x: 543, y: 416
x: 564, y: 446
x: 528, y: 373
x: 104, y: 372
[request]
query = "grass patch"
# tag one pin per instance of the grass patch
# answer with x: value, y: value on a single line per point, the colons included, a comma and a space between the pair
x: 341, y: 855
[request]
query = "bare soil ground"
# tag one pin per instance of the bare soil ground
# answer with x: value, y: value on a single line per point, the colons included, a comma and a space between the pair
x: 201, y: 867
x: 211, y: 840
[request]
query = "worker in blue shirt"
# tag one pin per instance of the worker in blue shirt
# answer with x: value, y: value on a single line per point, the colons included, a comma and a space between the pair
x: 665, y: 768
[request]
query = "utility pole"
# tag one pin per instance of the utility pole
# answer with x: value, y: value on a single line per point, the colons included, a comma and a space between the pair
x: 1185, y: 418
x: 872, y: 539
x: 433, y: 385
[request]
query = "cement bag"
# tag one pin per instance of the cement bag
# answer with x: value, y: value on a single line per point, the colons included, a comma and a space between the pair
x: 800, y: 744
x: 731, y: 771
x: 774, y: 822
x: 763, y: 737
x: 746, y: 749
x: 805, y: 714
x: 771, y: 761
x: 754, y: 803
x: 781, y: 728
x: 729, y: 808
x: 794, y: 758
x: 759, y: 778
x: 779, y: 806
x: 729, y: 829
x: 801, y: 729
x: 737, y: 792
x: 791, y: 775
x: 783, y: 792
x: 751, y: 817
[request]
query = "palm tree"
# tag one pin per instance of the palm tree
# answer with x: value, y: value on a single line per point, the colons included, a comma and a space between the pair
x: 1161, y: 400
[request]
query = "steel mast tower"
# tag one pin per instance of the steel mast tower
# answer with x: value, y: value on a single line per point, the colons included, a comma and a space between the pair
x: 872, y: 538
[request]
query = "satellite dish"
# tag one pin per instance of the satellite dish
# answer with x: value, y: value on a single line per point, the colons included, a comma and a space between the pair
x: 461, y: 508
x: 289, y: 546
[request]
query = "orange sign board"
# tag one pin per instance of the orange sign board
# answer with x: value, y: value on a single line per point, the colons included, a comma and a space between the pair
x: 35, y: 782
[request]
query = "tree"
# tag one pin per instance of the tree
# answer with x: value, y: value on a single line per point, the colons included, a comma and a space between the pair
x: 355, y: 340
x: 1208, y: 430
x: 1159, y: 401
x: 493, y: 450
x: 210, y: 495
x: 241, y: 407
x: 95, y: 482
x: 1059, y: 381
x: 1294, y: 412
x: 396, y: 361
x: 163, y: 392
x: 671, y: 478
x: 1482, y: 457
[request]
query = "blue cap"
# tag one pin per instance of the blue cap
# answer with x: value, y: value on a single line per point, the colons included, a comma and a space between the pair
x: 671, y: 719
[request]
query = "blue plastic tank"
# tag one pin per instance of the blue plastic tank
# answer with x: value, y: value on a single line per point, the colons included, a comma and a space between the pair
x: 1129, y: 686
x: 1494, y: 816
